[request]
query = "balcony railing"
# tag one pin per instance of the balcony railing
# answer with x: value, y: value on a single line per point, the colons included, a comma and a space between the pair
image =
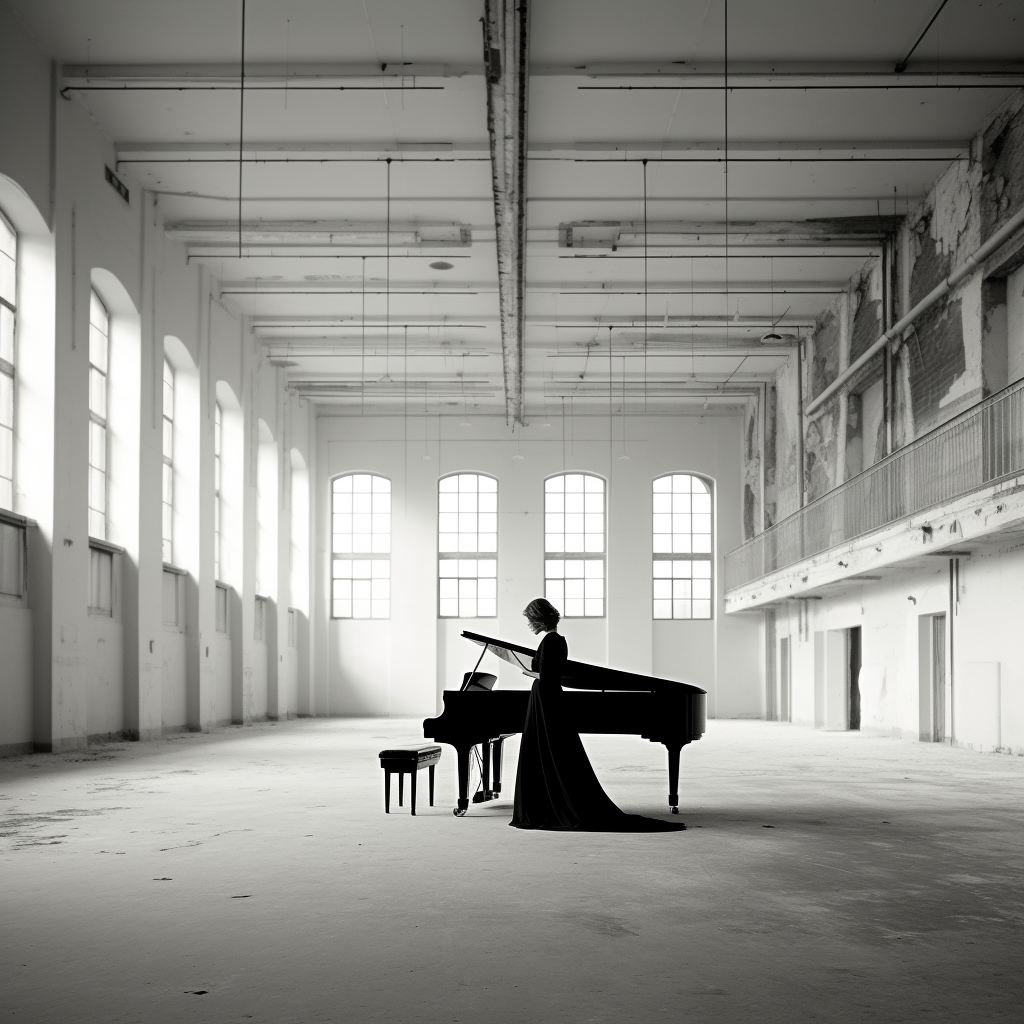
x: 978, y: 447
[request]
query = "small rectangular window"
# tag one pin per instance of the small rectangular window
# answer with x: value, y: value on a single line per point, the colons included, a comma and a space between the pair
x: 259, y: 631
x: 101, y: 582
x: 12, y: 559
x: 170, y: 596
x: 221, y: 598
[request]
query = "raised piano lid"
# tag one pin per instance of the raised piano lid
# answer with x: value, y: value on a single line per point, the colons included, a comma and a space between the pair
x: 579, y: 675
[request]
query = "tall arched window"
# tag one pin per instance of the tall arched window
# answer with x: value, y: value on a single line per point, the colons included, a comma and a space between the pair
x: 574, y: 544
x: 168, y: 469
x: 683, y: 545
x: 467, y: 528
x: 99, y: 349
x: 218, y: 444
x: 8, y: 310
x: 361, y: 545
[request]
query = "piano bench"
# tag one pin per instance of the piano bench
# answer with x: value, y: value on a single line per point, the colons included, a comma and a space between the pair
x: 408, y: 760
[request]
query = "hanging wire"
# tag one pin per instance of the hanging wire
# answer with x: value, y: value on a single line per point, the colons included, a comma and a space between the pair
x: 362, y: 351
x: 563, y: 433
x: 241, y: 130
x: 611, y: 406
x: 387, y: 280
x: 693, y: 354
x: 645, y: 286
x: 726, y: 98
x: 624, y: 455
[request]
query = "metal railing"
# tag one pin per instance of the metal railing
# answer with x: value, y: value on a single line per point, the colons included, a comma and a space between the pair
x: 976, y: 448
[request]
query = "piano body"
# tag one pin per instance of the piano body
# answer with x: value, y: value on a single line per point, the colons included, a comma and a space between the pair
x: 598, y: 700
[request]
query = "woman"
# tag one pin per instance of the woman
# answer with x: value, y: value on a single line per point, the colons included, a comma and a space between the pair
x: 556, y: 788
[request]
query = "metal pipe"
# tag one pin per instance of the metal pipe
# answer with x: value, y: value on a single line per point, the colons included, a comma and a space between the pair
x: 800, y: 420
x: 960, y: 274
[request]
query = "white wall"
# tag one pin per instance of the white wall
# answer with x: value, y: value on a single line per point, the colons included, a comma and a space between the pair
x: 400, y: 666
x: 88, y: 675
x: 987, y: 670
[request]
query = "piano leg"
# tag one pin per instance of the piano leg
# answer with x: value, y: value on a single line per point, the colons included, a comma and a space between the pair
x: 673, y: 778
x: 485, y: 773
x: 462, y: 759
x: 497, y: 748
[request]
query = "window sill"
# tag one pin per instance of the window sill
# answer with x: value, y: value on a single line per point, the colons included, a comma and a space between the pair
x: 105, y: 545
x: 14, y: 519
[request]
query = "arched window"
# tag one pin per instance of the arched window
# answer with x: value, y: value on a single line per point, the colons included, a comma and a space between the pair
x: 8, y: 310
x: 168, y: 469
x: 683, y: 545
x: 574, y: 544
x: 467, y: 527
x: 361, y: 545
x: 99, y: 349
x: 218, y: 444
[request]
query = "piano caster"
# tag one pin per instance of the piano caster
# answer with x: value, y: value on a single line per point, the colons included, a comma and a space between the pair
x: 459, y: 812
x: 675, y: 810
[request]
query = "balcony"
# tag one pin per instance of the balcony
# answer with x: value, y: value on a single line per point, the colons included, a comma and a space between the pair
x: 961, y: 483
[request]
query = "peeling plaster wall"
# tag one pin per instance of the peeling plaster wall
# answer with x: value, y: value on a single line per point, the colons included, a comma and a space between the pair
x: 751, y: 469
x: 966, y: 347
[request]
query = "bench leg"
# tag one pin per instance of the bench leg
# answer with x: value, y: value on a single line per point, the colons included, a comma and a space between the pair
x: 401, y: 787
x: 412, y: 788
x: 387, y: 792
x: 431, y: 785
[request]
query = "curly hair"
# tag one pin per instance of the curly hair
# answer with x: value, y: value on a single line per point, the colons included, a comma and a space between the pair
x: 542, y: 611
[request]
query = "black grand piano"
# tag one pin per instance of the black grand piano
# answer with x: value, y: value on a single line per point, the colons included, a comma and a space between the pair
x: 659, y: 710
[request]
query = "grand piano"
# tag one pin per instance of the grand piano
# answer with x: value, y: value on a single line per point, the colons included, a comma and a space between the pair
x: 659, y: 710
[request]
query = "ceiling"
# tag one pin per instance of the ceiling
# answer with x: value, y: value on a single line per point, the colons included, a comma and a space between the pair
x: 825, y: 144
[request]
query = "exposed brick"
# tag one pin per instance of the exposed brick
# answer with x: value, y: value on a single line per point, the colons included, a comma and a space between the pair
x: 1002, y: 166
x: 825, y: 364
x: 867, y: 319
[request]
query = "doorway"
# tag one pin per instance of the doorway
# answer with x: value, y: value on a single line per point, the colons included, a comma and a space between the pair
x: 785, y: 682
x: 853, y: 679
x: 933, y: 691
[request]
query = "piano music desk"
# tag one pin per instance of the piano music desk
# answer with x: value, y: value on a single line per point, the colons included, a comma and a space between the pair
x: 408, y: 760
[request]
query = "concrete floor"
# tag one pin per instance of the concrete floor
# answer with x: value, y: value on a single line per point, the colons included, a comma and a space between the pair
x: 251, y: 875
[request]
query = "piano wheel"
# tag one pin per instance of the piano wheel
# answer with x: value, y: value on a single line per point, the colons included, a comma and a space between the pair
x: 459, y: 812
x: 675, y: 810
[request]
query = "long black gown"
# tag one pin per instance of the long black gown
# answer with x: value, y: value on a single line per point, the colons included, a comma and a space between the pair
x: 556, y: 788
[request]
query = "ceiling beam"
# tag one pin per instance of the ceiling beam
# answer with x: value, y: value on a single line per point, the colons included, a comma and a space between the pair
x: 674, y: 74
x: 507, y: 58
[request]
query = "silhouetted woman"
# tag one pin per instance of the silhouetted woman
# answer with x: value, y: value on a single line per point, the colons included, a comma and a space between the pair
x: 556, y: 788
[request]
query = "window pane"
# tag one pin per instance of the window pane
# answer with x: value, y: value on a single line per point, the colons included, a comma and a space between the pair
x: 97, y: 393
x: 6, y: 457
x: 98, y: 348
x: 97, y: 489
x: 6, y: 400
x: 6, y: 334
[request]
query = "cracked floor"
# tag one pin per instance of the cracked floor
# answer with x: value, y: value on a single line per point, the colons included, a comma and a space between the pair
x: 251, y: 875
